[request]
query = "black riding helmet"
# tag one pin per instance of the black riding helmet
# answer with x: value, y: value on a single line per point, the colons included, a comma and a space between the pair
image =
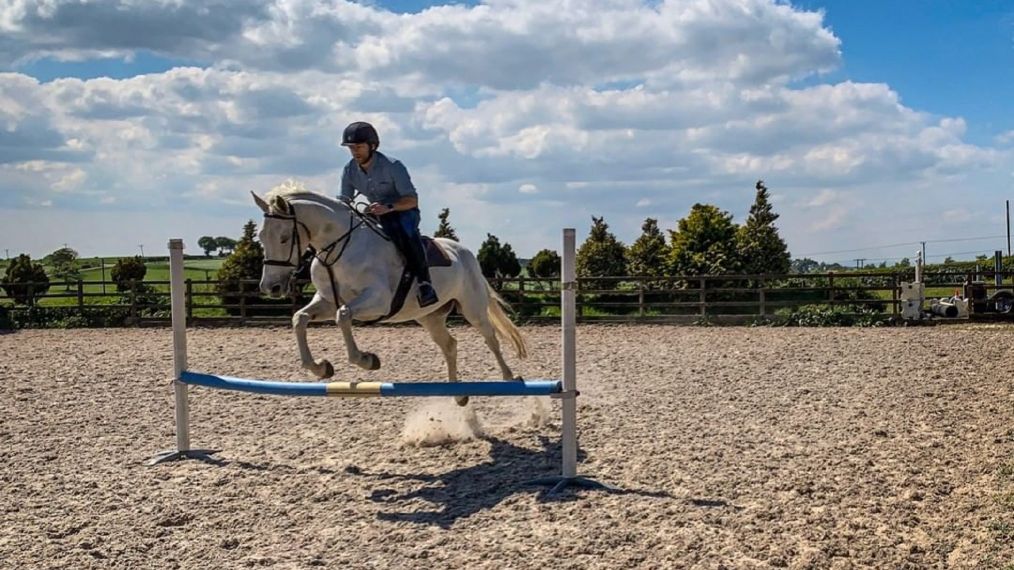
x: 360, y: 132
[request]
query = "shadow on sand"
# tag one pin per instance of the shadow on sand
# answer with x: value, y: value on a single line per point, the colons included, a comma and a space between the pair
x: 460, y: 493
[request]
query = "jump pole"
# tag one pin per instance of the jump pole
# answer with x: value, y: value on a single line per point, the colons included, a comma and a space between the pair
x: 568, y: 354
x: 566, y: 390
x: 179, y: 320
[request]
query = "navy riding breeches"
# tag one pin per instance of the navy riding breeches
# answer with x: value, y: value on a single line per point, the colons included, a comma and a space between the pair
x: 403, y: 229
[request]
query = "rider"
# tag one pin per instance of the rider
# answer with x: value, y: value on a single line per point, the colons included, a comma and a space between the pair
x: 393, y: 199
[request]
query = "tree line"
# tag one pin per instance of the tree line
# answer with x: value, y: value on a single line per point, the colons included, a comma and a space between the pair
x: 705, y: 242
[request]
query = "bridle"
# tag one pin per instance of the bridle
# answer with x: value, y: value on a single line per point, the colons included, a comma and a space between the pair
x: 296, y: 243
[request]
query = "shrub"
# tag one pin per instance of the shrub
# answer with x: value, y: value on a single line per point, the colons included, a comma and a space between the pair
x: 25, y: 280
x: 72, y: 322
x: 69, y: 317
x: 128, y: 270
x: 497, y: 260
x: 827, y: 316
x: 546, y: 263
x: 150, y: 303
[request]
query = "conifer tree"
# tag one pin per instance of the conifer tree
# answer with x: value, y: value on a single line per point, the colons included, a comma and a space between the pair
x: 704, y: 243
x: 444, y: 230
x: 647, y: 256
x: 601, y: 255
x: 496, y: 260
x: 245, y: 263
x: 760, y: 248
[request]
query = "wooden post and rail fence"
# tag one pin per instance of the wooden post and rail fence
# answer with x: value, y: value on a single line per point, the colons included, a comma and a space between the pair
x: 625, y: 299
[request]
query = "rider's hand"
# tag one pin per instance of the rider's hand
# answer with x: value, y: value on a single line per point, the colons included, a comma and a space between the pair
x: 378, y: 209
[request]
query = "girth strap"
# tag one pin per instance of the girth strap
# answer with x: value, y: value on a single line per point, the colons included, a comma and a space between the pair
x: 400, y: 294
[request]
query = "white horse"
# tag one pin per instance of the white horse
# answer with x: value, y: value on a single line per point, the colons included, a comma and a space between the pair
x: 356, y: 272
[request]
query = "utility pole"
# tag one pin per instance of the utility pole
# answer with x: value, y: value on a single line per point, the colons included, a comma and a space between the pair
x: 1008, y: 228
x: 141, y: 245
x: 7, y: 253
x: 859, y: 262
x: 923, y: 251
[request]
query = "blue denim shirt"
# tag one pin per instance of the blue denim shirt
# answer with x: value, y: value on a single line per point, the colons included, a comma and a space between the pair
x: 385, y: 182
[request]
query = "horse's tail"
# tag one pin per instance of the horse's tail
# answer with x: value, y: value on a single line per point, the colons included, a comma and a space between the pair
x: 502, y: 322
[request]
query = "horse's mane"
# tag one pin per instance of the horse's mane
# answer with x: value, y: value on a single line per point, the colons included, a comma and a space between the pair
x: 295, y: 190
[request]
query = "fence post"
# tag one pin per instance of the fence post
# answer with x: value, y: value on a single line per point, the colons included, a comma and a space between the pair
x: 640, y: 297
x: 190, y: 300
x: 830, y: 287
x: 242, y: 300
x: 133, y: 302
x: 894, y: 294
x: 762, y: 300
x: 703, y: 297
x: 80, y: 297
x: 521, y: 292
x: 579, y: 311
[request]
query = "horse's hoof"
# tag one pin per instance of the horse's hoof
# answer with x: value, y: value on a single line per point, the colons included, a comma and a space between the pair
x: 519, y: 378
x: 328, y: 370
x: 374, y: 361
x: 461, y: 400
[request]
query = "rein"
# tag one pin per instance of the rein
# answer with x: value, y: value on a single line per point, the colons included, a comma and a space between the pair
x: 296, y: 243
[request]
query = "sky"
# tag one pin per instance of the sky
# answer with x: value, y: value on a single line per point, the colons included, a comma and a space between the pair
x: 875, y: 125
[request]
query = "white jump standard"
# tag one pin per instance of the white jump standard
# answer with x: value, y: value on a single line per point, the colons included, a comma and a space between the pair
x: 565, y: 390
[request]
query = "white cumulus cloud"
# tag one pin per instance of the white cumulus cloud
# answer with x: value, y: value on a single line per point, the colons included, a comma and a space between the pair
x: 543, y: 112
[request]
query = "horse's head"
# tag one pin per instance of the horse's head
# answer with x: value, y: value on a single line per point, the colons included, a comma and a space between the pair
x: 283, y: 245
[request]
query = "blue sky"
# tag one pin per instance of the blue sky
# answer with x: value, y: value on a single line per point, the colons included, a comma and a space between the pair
x: 877, y: 123
x: 942, y: 56
x: 140, y: 63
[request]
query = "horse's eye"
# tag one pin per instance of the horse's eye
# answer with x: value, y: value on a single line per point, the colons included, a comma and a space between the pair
x: 285, y: 239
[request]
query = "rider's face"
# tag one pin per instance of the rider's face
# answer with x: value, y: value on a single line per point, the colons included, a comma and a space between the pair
x: 360, y: 152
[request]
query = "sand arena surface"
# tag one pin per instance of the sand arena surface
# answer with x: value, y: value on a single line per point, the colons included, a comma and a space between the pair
x: 737, y: 448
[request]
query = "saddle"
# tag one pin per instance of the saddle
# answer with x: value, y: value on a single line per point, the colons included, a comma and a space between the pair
x: 435, y: 255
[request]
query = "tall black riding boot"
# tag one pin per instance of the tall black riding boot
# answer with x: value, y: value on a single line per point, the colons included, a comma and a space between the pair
x: 417, y: 263
x: 401, y: 227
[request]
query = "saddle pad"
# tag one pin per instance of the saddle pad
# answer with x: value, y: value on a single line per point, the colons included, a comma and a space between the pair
x: 435, y: 255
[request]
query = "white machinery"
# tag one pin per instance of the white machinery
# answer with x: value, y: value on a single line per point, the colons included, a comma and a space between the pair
x: 952, y: 308
x: 913, y: 294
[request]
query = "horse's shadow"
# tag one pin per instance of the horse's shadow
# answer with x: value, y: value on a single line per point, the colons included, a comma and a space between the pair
x: 460, y: 493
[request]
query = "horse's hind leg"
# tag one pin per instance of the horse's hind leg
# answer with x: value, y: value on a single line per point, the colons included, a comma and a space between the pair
x: 479, y: 318
x: 315, y: 310
x: 436, y: 324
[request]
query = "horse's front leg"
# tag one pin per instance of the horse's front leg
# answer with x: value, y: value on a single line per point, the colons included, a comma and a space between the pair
x: 317, y: 309
x: 366, y: 360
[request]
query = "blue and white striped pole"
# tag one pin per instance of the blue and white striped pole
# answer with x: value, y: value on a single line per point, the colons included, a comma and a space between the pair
x: 374, y: 389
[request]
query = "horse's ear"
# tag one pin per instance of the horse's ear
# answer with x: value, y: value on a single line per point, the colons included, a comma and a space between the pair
x: 279, y: 204
x: 260, y: 202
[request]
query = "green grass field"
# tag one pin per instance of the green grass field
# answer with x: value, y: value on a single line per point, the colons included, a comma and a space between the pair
x: 92, y: 276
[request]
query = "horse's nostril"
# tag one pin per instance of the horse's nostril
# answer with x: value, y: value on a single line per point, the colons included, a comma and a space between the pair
x: 276, y: 289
